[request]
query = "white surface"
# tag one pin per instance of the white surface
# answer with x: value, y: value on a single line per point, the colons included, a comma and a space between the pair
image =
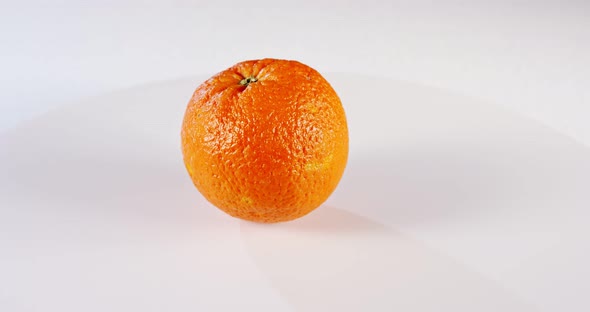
x: 530, y: 56
x: 447, y: 204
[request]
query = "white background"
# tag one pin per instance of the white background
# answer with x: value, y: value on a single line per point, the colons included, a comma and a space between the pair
x: 516, y: 191
x: 533, y: 57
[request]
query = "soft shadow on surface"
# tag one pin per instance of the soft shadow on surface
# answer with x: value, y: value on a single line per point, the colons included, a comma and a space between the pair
x: 425, y: 156
x: 113, y: 161
x: 325, y: 220
x: 334, y: 260
x: 441, y: 183
x: 95, y: 180
x: 415, y: 186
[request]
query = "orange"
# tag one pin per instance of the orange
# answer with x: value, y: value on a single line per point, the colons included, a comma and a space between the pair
x: 265, y: 140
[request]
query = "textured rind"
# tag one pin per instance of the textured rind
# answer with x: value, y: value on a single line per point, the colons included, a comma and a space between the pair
x: 270, y: 151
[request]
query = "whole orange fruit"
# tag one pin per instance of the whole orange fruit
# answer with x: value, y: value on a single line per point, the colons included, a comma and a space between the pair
x: 265, y: 140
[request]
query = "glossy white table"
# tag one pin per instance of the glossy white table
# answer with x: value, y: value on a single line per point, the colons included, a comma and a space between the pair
x: 447, y: 204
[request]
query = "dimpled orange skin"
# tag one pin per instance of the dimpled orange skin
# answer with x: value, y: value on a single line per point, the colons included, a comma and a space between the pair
x: 271, y: 148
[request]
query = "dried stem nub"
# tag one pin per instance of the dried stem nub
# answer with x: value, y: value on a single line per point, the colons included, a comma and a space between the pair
x: 248, y: 80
